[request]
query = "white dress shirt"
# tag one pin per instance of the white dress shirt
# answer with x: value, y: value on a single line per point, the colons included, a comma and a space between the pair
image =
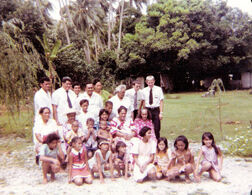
x: 130, y: 93
x: 42, y: 99
x: 44, y: 129
x: 82, y: 118
x: 95, y: 104
x: 124, y: 102
x: 59, y: 98
x: 157, y: 95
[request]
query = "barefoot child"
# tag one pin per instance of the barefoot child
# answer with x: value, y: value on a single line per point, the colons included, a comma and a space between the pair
x: 162, y: 158
x: 121, y: 159
x: 51, y: 155
x: 210, y: 153
x: 78, y: 171
x: 102, y: 160
x: 182, y: 160
x: 104, y: 131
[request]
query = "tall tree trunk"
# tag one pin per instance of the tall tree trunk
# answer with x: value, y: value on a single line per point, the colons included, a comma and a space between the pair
x: 120, y: 29
x: 64, y: 24
x: 96, y: 50
x: 66, y: 4
x: 109, y: 24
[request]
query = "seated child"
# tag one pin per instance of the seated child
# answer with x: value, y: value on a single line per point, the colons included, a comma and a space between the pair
x: 102, y: 160
x: 162, y: 161
x: 104, y: 131
x: 90, y: 137
x: 78, y: 171
x: 210, y: 153
x: 121, y: 159
x: 51, y: 155
x: 75, y: 131
x: 182, y: 160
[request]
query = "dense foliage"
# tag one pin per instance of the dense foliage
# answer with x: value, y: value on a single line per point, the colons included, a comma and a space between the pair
x: 186, y: 40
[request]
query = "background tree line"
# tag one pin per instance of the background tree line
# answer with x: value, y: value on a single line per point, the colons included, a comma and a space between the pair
x: 113, y: 40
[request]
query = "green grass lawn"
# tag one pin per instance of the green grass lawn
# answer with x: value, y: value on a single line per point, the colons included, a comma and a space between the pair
x: 191, y: 115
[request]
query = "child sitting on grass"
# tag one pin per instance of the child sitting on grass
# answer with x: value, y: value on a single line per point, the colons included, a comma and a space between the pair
x: 51, y: 156
x: 78, y: 171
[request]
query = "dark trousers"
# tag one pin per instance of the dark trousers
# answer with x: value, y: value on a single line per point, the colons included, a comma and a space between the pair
x: 155, y: 120
x: 135, y: 112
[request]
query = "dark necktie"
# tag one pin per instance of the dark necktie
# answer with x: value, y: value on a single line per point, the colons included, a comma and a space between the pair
x: 135, y: 101
x: 150, y: 97
x: 69, y: 101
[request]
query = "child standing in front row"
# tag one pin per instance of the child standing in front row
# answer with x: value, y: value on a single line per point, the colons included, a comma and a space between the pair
x: 210, y: 153
x: 182, y: 160
x: 162, y: 161
x: 90, y: 137
x: 51, y: 156
x: 78, y: 171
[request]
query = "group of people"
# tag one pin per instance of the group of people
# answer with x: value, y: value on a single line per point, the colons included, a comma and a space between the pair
x: 91, y: 132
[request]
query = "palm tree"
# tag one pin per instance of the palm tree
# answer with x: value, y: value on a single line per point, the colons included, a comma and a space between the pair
x: 63, y: 20
x: 88, y: 18
x: 120, y: 27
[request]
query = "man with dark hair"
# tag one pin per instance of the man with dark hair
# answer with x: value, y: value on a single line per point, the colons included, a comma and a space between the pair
x: 63, y: 99
x: 94, y: 99
x: 42, y: 97
x: 77, y: 88
x: 135, y: 96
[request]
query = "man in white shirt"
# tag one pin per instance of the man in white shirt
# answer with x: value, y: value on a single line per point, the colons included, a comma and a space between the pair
x: 94, y: 99
x: 43, y: 97
x: 63, y: 99
x: 135, y: 96
x: 76, y: 89
x: 153, y: 100
x: 121, y: 100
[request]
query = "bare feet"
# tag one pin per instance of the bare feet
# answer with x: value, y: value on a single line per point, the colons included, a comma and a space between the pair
x: 187, y: 179
x: 44, y: 181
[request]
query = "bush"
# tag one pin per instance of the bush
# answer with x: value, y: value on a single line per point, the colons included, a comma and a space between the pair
x: 240, y: 144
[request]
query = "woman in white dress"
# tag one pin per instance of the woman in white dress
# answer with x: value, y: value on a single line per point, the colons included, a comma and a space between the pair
x: 143, y: 152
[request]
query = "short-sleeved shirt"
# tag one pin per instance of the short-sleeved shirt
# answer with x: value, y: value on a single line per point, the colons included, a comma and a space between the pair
x: 82, y: 118
x: 122, y: 102
x: 42, y: 99
x: 144, y: 149
x: 130, y: 93
x: 46, y: 151
x: 157, y: 95
x: 59, y: 98
x: 94, y: 106
x: 44, y: 129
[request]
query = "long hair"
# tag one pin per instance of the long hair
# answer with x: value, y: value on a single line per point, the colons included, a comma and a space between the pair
x: 162, y: 139
x: 211, y: 137
x: 183, y: 139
